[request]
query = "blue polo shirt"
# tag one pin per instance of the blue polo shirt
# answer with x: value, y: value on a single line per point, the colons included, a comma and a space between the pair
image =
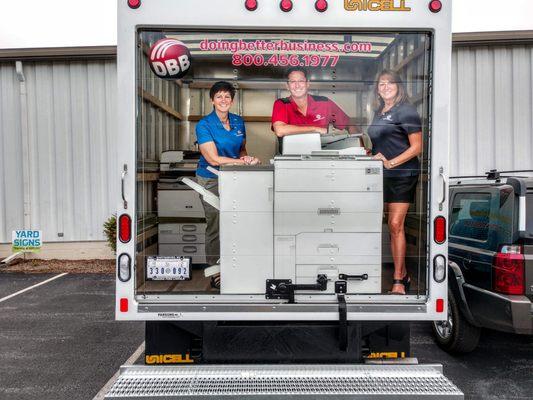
x: 228, y: 143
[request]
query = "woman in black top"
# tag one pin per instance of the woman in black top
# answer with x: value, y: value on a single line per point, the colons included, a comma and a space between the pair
x: 396, y: 135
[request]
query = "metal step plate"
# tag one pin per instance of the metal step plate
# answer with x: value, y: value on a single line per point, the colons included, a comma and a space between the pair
x: 260, y: 382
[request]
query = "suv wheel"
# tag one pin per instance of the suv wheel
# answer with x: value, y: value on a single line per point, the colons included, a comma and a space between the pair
x: 456, y: 335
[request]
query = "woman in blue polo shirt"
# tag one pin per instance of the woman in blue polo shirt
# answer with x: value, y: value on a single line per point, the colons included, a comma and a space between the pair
x: 221, y: 136
x: 396, y: 135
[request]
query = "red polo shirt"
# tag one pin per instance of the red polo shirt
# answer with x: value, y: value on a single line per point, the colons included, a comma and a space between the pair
x: 321, y: 111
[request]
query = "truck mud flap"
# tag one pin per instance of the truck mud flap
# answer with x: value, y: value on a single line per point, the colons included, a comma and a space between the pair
x: 316, y: 382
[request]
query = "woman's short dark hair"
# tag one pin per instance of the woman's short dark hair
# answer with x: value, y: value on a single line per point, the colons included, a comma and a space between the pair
x: 222, y: 86
x: 394, y: 77
x: 297, y: 69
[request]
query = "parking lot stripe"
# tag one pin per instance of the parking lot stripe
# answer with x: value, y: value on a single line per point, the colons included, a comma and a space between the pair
x: 136, y: 354
x: 32, y: 287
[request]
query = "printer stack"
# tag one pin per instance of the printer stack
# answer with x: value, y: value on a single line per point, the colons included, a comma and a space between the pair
x: 180, y: 212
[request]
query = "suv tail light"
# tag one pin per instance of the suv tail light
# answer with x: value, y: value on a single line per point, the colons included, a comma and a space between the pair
x: 508, y: 270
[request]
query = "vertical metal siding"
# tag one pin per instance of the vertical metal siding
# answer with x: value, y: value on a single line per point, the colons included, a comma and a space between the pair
x: 71, y: 123
x: 11, y: 193
x: 492, y: 109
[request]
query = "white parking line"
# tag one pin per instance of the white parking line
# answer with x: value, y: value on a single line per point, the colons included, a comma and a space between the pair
x: 32, y: 287
x: 136, y: 354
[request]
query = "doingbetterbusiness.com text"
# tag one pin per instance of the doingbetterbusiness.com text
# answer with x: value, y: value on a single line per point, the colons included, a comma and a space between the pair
x: 282, y: 45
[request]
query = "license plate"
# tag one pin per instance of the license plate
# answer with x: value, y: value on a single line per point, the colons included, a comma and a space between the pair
x: 168, y: 268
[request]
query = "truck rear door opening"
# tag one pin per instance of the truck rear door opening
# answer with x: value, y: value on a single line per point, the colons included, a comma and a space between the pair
x: 295, y: 217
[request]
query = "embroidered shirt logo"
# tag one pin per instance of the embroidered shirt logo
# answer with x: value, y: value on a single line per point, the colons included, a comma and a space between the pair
x: 387, y: 118
x: 318, y: 117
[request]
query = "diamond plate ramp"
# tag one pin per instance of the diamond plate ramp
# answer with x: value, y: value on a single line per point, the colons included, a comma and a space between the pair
x: 324, y: 382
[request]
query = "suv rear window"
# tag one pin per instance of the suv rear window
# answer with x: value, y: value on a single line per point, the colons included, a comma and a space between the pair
x: 470, y: 216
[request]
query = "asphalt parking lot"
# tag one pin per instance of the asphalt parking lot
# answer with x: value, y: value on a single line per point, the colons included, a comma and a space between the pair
x: 500, y: 368
x: 60, y: 341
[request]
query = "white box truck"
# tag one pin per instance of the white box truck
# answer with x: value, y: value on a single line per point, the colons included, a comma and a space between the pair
x: 304, y: 305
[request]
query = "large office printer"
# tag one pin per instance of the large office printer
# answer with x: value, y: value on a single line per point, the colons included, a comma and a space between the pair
x: 303, y: 218
x: 180, y: 212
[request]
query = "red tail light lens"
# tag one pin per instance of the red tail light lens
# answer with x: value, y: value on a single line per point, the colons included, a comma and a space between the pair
x: 508, y: 270
x: 435, y: 6
x: 124, y: 228
x: 251, y: 5
x: 285, y: 5
x: 439, y: 230
x: 124, y: 305
x: 439, y: 306
x: 134, y: 3
x: 321, y: 5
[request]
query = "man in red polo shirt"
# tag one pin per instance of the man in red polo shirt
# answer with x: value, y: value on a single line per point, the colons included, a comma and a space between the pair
x: 305, y: 113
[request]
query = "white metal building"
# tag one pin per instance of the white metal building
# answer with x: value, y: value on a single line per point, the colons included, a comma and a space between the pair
x: 58, y: 124
x: 492, y: 103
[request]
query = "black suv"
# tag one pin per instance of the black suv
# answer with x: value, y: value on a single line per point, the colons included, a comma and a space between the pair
x: 490, y: 251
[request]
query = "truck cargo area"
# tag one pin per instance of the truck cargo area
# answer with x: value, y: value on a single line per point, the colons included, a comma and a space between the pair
x: 300, y: 214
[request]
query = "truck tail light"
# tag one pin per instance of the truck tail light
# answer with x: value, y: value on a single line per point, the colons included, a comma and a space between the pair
x: 321, y: 5
x: 124, y: 267
x: 285, y: 5
x: 435, y: 6
x: 439, y: 268
x: 124, y: 305
x: 439, y: 305
x: 134, y: 3
x: 508, y: 270
x: 124, y: 228
x: 251, y: 5
x: 439, y: 230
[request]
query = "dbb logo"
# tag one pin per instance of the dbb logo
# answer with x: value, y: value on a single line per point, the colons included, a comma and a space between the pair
x: 170, y: 59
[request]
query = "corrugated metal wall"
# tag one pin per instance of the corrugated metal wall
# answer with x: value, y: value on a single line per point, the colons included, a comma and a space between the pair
x: 71, y: 108
x: 11, y: 192
x: 71, y: 128
x: 492, y: 109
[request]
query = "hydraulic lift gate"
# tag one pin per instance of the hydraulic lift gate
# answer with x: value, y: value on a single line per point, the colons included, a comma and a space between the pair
x: 258, y: 382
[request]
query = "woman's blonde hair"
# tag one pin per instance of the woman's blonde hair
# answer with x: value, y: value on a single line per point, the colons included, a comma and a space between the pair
x: 401, y: 97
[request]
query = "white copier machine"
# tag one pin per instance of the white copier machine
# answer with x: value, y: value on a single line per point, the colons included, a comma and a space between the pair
x: 309, y: 221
